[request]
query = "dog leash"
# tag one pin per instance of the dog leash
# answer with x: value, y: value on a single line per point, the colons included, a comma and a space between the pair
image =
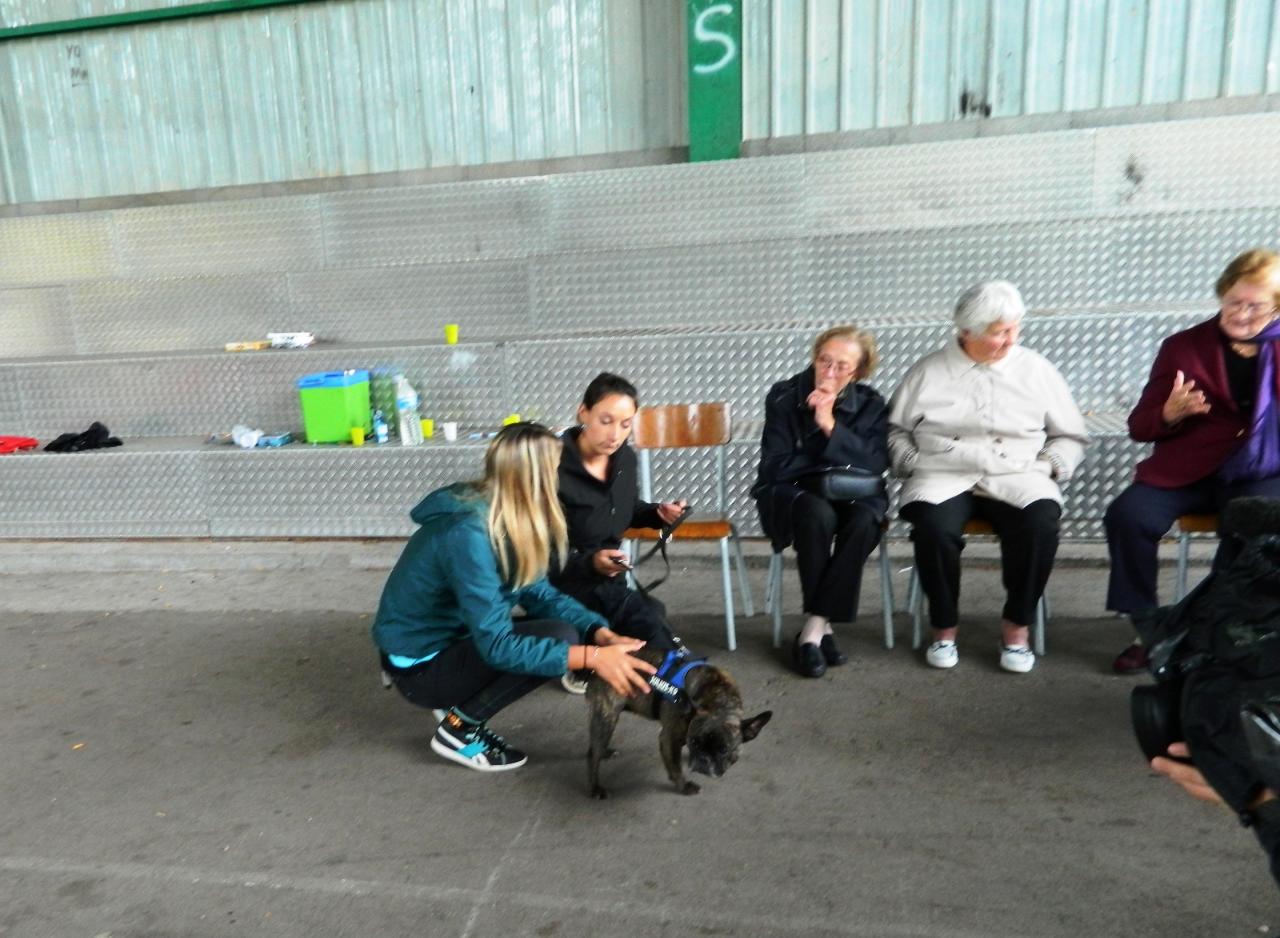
x: 664, y: 535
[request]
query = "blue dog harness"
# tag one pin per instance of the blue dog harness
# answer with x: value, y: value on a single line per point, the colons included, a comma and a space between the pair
x: 668, y: 681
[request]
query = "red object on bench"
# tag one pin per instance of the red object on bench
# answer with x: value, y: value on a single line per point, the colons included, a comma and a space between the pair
x: 11, y: 444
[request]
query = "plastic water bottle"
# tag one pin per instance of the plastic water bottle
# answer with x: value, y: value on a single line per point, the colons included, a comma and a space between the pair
x: 380, y: 430
x: 410, y: 425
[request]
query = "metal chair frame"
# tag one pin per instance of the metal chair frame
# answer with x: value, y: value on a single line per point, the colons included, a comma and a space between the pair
x: 677, y: 426
x: 773, y: 593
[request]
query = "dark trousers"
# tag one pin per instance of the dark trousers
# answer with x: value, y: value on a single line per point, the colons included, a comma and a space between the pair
x: 1142, y: 514
x: 832, y: 541
x: 1028, y: 544
x: 629, y: 611
x: 459, y: 677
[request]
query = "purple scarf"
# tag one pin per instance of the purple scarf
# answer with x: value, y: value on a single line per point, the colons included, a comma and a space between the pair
x: 1259, y: 457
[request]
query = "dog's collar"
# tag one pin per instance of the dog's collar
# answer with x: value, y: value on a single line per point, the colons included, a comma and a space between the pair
x: 668, y: 681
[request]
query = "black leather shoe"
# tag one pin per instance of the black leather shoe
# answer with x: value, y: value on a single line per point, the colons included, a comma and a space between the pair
x: 807, y: 659
x: 832, y: 653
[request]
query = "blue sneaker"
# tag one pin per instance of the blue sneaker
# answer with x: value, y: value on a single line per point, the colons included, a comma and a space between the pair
x: 475, y: 746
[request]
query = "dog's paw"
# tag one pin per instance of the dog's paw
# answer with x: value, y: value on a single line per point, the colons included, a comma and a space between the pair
x: 690, y: 788
x: 600, y: 793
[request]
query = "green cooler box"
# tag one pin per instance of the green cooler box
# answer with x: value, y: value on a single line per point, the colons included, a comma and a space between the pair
x: 332, y: 403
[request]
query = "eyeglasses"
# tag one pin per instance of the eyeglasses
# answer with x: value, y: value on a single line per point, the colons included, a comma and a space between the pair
x: 824, y: 363
x: 1252, y: 310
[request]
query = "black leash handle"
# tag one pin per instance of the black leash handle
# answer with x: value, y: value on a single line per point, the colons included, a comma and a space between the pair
x: 664, y: 535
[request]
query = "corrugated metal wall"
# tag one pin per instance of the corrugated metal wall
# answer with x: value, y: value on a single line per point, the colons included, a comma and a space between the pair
x: 330, y: 89
x: 364, y: 86
x: 815, y: 66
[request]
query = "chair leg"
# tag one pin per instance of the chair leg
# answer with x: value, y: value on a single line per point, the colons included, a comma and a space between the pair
x: 768, y: 584
x: 1042, y: 616
x: 916, y: 601
x: 775, y: 590
x: 1184, y: 560
x: 886, y: 594
x: 748, y: 606
x: 730, y: 632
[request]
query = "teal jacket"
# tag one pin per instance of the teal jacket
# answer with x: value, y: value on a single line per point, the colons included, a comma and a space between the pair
x: 446, y: 586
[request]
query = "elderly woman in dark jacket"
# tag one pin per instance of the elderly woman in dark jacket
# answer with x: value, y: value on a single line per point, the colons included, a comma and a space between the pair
x: 824, y: 416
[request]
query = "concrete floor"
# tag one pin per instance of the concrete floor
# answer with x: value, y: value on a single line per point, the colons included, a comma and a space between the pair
x: 196, y: 743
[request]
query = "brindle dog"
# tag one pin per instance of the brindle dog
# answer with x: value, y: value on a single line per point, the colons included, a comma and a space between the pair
x: 710, y: 721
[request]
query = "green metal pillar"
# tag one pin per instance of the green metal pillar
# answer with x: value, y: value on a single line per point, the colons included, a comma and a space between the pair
x: 715, y: 79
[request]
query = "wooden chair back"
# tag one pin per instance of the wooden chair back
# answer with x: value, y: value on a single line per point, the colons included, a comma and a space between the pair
x: 672, y: 426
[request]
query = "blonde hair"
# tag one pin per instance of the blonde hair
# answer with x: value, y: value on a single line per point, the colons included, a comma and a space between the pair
x: 1259, y: 267
x: 526, y: 523
x: 864, y: 340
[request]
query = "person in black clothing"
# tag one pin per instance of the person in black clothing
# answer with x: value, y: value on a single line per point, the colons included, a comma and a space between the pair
x: 824, y: 416
x: 599, y: 495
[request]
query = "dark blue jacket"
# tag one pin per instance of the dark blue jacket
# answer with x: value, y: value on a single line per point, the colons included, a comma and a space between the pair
x: 446, y: 586
x: 792, y: 442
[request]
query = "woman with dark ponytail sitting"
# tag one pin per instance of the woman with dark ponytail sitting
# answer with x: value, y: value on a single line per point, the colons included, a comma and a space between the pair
x: 601, y: 499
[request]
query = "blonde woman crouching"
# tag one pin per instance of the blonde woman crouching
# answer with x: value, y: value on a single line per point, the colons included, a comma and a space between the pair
x: 444, y: 625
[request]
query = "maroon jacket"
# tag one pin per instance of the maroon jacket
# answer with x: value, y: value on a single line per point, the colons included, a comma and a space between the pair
x: 1197, y: 446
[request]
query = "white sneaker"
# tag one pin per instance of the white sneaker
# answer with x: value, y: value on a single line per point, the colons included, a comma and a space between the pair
x: 942, y: 655
x: 572, y: 683
x: 1019, y: 659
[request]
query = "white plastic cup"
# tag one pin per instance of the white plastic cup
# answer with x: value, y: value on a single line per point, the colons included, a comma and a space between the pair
x: 450, y: 429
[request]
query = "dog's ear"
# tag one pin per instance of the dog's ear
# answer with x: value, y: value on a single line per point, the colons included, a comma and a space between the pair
x: 752, y: 726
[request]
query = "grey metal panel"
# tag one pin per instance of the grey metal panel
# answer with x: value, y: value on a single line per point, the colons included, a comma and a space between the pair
x: 113, y: 493
x: 1106, y: 471
x: 815, y: 67
x: 234, y: 237
x: 431, y: 224
x: 548, y: 377
x: 130, y: 316
x: 704, y: 284
x: 957, y: 182
x: 1220, y: 163
x: 725, y: 201
x: 13, y: 419
x: 139, y: 397
x: 1054, y: 264
x: 1179, y: 256
x: 1105, y: 359
x: 466, y: 383
x: 487, y: 299
x: 36, y: 322
x: 333, y: 89
x: 54, y: 249
x: 330, y: 491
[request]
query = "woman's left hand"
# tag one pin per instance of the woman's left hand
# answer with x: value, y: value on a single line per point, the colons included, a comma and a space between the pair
x: 670, y: 511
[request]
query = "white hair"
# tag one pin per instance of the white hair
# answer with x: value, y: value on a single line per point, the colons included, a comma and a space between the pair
x: 993, y: 301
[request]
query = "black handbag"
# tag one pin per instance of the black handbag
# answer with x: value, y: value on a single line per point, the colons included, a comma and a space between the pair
x: 842, y: 483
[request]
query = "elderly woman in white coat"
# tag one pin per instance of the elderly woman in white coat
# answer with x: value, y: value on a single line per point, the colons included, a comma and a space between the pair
x: 984, y: 428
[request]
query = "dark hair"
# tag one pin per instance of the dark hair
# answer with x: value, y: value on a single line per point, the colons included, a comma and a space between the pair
x: 605, y: 384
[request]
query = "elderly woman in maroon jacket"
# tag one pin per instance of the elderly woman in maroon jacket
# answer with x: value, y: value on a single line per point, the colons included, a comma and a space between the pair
x: 1210, y: 408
